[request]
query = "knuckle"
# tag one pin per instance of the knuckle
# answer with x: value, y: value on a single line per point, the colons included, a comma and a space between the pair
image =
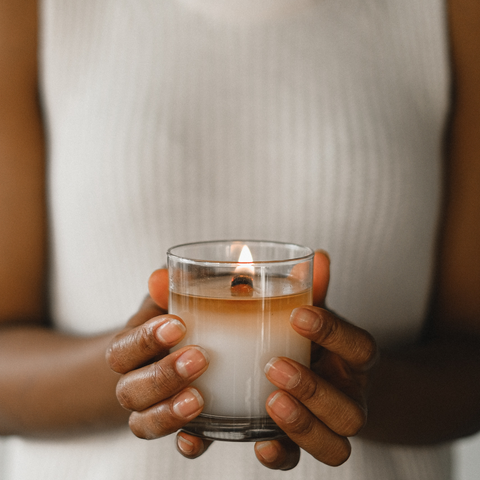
x: 303, y: 425
x: 369, y: 352
x: 164, y: 379
x: 139, y: 427
x: 310, y: 391
x: 144, y: 340
x: 123, y: 395
x: 354, y: 422
x: 160, y: 422
x: 361, y: 421
x: 156, y: 424
x: 126, y: 348
x: 135, y: 426
x: 328, y: 332
x: 150, y: 424
x: 114, y: 358
x: 340, y: 453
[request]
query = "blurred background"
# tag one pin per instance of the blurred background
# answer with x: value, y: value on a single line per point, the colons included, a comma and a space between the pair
x: 468, y: 459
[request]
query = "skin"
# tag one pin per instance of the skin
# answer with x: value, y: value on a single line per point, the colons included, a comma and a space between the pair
x: 317, y: 408
x: 59, y: 384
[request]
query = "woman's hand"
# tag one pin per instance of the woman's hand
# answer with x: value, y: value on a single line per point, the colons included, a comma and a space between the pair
x: 319, y: 408
x: 154, y: 384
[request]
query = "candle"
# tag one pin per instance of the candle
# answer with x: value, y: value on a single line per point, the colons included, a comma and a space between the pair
x: 241, y: 334
x: 237, y: 307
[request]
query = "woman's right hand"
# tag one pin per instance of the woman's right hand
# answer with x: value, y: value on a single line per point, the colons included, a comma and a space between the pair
x: 155, y: 385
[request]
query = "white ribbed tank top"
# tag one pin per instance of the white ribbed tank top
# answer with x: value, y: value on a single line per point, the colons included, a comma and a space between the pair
x: 315, y: 122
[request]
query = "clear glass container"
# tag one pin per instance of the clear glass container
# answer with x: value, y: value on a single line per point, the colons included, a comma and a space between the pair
x: 236, y: 298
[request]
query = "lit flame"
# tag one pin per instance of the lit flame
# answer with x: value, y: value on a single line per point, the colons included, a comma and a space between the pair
x: 245, y: 258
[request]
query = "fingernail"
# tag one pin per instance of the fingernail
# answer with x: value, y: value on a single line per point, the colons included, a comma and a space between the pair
x: 267, y: 451
x: 283, y: 406
x: 184, y: 445
x: 191, y: 361
x: 187, y: 402
x: 282, y: 372
x: 305, y: 319
x: 170, y: 332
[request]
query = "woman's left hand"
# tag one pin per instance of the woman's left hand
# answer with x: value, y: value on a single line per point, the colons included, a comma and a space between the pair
x: 319, y: 408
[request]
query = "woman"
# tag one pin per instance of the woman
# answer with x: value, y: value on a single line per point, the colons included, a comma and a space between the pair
x: 168, y: 122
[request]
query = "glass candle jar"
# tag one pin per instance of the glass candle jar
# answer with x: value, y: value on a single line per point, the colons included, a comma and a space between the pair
x: 236, y: 298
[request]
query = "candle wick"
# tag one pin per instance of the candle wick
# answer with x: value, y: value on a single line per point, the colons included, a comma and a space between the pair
x: 242, y: 286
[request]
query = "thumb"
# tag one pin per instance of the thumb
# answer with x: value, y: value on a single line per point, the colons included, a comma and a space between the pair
x: 158, y: 287
x: 321, y: 277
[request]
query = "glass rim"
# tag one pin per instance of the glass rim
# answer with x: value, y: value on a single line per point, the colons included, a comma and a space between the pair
x: 227, y: 263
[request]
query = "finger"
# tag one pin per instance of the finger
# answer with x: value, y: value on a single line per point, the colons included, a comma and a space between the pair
x: 339, y: 412
x: 158, y: 287
x: 281, y: 454
x: 355, y: 345
x: 134, y: 347
x: 168, y: 416
x: 190, y: 446
x: 146, y: 386
x: 307, y: 431
x: 321, y: 277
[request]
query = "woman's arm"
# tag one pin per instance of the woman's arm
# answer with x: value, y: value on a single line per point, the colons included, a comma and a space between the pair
x: 22, y: 203
x: 48, y: 382
x: 431, y: 393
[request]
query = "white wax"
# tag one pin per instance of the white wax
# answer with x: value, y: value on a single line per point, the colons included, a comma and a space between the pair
x: 241, y: 334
